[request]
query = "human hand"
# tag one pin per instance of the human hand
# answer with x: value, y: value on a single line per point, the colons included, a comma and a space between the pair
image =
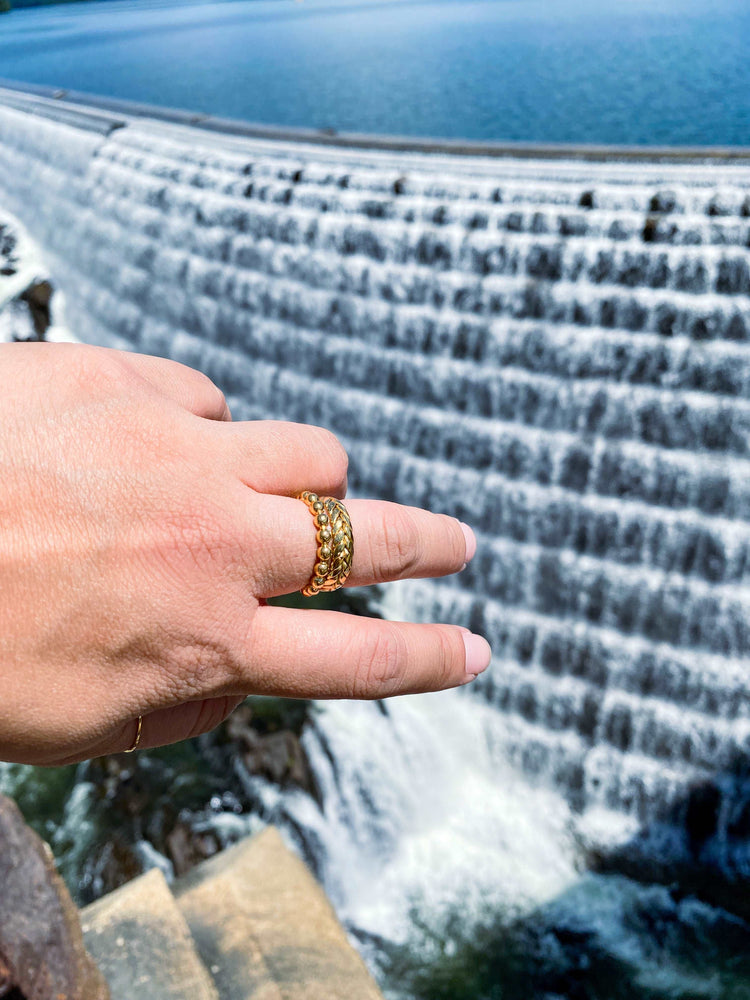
x: 141, y: 531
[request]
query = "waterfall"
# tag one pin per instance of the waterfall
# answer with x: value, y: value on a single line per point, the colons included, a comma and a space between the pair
x: 554, y: 350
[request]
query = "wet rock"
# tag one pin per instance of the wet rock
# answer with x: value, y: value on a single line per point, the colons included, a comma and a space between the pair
x: 187, y: 848
x: 41, y: 946
x: 37, y: 297
x: 276, y: 756
x: 24, y: 311
x: 16, y: 324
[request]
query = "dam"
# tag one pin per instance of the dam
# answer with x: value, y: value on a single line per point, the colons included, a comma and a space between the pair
x: 552, y: 345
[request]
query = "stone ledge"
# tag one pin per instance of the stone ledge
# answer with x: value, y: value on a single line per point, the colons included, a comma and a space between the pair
x: 140, y: 941
x: 264, y: 927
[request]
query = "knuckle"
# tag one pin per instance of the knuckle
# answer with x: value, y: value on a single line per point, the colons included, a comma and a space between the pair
x: 382, y: 665
x: 449, y: 654
x: 334, y: 452
x: 396, y: 550
x: 206, y: 388
x: 99, y: 369
x: 454, y: 540
x: 190, y: 531
x: 199, y: 534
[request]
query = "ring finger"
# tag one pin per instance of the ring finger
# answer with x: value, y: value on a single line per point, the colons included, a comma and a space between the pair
x: 391, y: 542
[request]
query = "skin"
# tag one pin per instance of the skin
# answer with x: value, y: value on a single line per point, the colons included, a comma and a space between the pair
x: 141, y: 531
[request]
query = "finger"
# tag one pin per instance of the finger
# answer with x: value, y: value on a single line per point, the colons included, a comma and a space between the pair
x: 190, y: 389
x: 391, y: 542
x: 166, y: 725
x: 325, y: 654
x: 181, y: 722
x: 272, y: 456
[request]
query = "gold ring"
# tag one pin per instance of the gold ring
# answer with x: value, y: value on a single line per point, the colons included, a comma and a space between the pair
x: 333, y: 562
x: 137, y: 736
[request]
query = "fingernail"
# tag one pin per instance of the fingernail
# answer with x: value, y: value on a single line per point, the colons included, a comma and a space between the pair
x: 471, y: 542
x: 478, y: 653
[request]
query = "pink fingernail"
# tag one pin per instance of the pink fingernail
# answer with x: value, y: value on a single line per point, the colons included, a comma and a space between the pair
x: 478, y: 653
x: 471, y: 541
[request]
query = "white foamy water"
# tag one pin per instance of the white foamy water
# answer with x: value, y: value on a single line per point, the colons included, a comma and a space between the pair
x: 26, y: 262
x: 428, y: 791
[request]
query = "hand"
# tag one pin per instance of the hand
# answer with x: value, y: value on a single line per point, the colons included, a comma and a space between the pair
x: 141, y: 530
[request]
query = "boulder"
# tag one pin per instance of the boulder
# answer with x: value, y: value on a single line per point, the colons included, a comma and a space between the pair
x: 277, y: 756
x: 41, y: 946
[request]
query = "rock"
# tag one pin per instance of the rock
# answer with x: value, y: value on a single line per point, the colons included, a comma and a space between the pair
x: 265, y: 929
x: 41, y: 946
x: 25, y: 291
x: 6, y: 983
x: 38, y: 296
x: 276, y: 756
x: 27, y: 316
x: 8, y: 257
x: 187, y: 848
x: 18, y: 322
x: 143, y: 943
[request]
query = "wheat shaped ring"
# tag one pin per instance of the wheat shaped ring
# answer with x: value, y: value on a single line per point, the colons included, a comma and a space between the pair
x: 333, y: 531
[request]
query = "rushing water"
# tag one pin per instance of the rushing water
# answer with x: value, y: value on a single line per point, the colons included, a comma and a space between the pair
x: 624, y: 71
x: 557, y: 352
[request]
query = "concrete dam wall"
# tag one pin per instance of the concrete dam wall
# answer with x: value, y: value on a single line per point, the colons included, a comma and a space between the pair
x: 553, y: 348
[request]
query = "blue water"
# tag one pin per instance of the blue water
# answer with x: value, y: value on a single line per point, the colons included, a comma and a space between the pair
x: 612, y: 71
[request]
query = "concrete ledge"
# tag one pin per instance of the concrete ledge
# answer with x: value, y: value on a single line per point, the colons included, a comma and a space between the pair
x: 265, y: 928
x: 49, y: 106
x: 78, y: 108
x: 140, y: 941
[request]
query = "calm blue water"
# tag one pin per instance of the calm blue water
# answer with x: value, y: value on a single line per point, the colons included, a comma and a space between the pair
x: 615, y: 71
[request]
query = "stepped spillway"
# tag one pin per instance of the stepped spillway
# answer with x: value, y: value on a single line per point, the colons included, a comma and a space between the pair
x: 555, y: 349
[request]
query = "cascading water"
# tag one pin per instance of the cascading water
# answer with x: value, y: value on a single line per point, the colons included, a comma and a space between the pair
x: 555, y: 351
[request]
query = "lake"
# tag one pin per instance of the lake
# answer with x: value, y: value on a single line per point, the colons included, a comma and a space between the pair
x: 622, y: 71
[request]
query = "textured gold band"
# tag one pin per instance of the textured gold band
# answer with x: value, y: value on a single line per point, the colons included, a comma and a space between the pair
x: 137, y: 736
x: 333, y: 563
